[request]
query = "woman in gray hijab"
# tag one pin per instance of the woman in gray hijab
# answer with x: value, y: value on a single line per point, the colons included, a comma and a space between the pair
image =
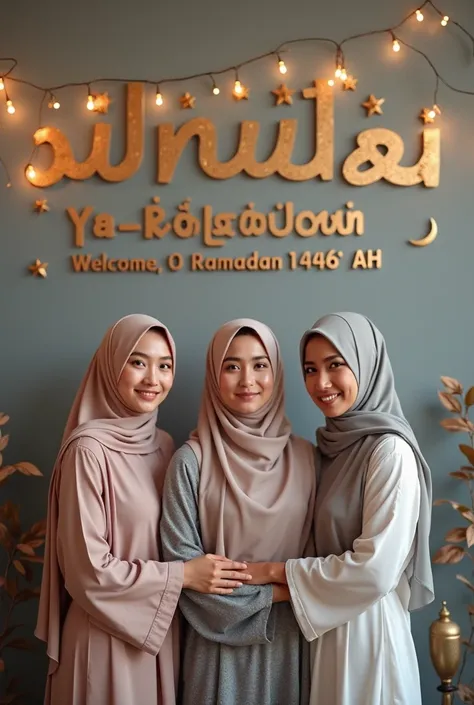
x: 371, y: 529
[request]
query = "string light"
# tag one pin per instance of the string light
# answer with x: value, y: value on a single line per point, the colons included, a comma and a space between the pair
x: 241, y: 91
x: 215, y: 87
x: 434, y: 112
x: 159, y: 98
x: 281, y: 65
x: 30, y: 172
x: 54, y: 103
x: 10, y: 107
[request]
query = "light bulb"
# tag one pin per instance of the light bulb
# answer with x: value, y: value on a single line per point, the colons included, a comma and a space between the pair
x: 432, y: 114
x: 419, y: 16
x: 331, y: 82
x: 238, y: 87
x: 445, y: 21
x: 343, y: 75
x: 216, y: 90
x: 396, y: 45
x: 338, y: 72
x: 2, y: 84
x: 90, y: 102
x: 10, y: 107
x: 159, y: 99
x: 56, y: 105
x: 282, y: 67
x: 30, y: 171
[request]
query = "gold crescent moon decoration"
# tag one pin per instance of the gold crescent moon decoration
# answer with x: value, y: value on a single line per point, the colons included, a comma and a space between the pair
x: 428, y: 239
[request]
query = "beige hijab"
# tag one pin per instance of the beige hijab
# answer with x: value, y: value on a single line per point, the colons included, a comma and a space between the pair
x: 257, y: 480
x: 97, y: 412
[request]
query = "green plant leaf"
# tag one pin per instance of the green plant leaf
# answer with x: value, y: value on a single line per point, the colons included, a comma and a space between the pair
x: 452, y: 385
x: 450, y: 402
x: 449, y: 554
x: 468, y: 451
x: 39, y: 529
x: 469, y: 398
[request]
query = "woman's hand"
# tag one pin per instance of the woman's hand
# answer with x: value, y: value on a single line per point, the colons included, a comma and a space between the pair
x: 281, y: 593
x: 264, y: 573
x: 215, y: 575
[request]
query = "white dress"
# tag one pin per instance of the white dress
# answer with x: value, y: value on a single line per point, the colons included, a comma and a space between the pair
x: 354, y: 607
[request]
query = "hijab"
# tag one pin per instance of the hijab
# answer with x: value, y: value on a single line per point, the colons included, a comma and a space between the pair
x: 346, y: 443
x: 257, y: 479
x: 97, y: 412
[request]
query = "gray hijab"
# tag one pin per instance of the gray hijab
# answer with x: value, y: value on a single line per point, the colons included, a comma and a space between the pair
x: 346, y: 443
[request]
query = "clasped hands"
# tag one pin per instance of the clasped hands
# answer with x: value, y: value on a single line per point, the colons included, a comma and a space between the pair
x: 217, y: 575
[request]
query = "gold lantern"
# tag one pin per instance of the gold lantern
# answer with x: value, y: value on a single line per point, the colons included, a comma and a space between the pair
x: 445, y: 651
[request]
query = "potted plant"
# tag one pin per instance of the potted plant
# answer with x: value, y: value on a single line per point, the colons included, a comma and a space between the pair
x: 460, y: 539
x: 19, y: 551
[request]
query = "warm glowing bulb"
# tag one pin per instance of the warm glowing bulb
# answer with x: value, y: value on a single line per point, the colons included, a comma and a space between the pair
x: 56, y: 105
x: 343, y: 75
x: 30, y: 171
x: 90, y: 103
x: 338, y: 72
x: 396, y: 45
x: 445, y: 20
x: 238, y: 87
x: 331, y: 82
x: 282, y: 66
x: 159, y: 99
x: 2, y: 84
x: 419, y: 16
x: 432, y: 114
x: 10, y: 107
x: 215, y: 90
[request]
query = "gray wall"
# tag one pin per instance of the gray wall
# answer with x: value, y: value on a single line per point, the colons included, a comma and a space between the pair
x: 421, y: 298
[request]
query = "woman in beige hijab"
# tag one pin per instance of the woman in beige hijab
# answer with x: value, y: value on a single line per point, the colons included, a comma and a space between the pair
x: 243, y: 486
x: 107, y: 599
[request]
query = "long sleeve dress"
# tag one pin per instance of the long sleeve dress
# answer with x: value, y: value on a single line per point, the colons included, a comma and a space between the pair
x: 118, y: 643
x: 237, y: 649
x: 354, y: 607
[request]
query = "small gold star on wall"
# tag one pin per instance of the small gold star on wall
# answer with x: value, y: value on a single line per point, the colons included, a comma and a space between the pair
x: 350, y: 83
x: 240, y: 91
x: 283, y: 95
x: 187, y: 101
x: 41, y: 206
x: 38, y: 269
x: 373, y: 105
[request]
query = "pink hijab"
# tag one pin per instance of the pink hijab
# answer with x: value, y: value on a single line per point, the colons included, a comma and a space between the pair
x: 97, y: 412
x: 257, y: 479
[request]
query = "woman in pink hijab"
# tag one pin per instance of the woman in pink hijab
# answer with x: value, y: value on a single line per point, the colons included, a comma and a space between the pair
x: 243, y: 486
x: 108, y: 600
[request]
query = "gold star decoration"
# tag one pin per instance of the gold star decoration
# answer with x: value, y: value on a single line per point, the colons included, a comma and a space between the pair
x: 101, y: 103
x: 243, y: 94
x: 373, y: 105
x: 187, y: 101
x: 38, y: 269
x: 350, y: 83
x: 283, y: 95
x: 428, y: 114
x: 41, y: 206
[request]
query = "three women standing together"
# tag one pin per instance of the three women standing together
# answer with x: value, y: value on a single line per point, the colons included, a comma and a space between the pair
x: 266, y: 543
